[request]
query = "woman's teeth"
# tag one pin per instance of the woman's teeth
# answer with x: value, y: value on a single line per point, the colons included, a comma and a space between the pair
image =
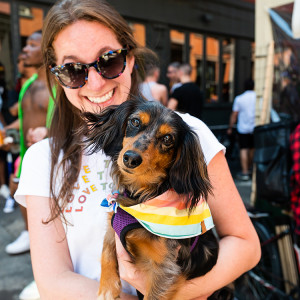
x: 101, y: 99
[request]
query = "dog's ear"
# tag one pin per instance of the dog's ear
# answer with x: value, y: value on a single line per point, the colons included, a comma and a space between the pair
x: 107, y: 128
x: 188, y: 175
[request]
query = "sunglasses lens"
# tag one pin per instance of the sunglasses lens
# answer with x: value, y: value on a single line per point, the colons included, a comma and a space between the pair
x: 72, y: 75
x: 112, y: 64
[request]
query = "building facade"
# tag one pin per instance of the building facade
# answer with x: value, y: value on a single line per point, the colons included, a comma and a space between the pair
x: 216, y: 37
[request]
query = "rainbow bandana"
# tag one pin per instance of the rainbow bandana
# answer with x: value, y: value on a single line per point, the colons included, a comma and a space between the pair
x: 167, y: 216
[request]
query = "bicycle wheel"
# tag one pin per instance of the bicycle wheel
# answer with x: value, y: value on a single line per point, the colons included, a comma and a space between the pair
x: 264, y: 282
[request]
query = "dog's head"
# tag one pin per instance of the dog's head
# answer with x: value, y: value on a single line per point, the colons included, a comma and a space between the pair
x: 152, y: 150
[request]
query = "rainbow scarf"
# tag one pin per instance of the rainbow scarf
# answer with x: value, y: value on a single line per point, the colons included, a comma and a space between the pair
x: 167, y: 216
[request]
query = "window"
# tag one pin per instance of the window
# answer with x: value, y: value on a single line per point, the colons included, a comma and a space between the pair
x: 139, y: 32
x: 212, y: 62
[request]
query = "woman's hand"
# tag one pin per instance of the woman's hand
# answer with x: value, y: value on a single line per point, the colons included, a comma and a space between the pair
x: 128, y: 271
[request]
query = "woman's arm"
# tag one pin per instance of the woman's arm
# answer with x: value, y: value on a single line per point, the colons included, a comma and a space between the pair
x: 14, y: 125
x: 52, y: 265
x: 239, y: 244
x: 172, y: 104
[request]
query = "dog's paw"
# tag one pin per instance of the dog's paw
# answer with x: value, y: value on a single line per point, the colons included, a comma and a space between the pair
x: 107, y: 296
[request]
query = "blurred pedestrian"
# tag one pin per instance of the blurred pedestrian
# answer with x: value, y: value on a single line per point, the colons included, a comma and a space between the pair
x: 188, y: 97
x: 33, y: 108
x: 172, y: 74
x: 289, y: 97
x: 150, y: 88
x: 243, y: 112
x: 33, y: 105
x: 12, y: 129
x: 4, y: 190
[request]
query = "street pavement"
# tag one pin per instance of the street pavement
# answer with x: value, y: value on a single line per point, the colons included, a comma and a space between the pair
x: 16, y: 270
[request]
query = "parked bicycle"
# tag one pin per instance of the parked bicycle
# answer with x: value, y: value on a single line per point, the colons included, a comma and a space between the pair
x: 277, y: 274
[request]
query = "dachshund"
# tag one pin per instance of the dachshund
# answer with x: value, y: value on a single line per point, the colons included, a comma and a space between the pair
x: 154, y: 153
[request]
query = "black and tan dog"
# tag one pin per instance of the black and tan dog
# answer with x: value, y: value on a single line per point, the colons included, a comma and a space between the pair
x: 153, y: 150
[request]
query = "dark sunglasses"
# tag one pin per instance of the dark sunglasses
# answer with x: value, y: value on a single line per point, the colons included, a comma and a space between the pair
x: 110, y: 65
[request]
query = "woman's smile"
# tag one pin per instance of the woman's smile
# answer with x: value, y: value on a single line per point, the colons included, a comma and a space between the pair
x: 101, y: 99
x: 97, y: 91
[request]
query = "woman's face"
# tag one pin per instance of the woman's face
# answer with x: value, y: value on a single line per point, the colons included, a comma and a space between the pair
x: 83, y: 42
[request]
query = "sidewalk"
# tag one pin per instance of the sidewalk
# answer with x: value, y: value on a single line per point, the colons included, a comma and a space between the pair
x: 16, y: 271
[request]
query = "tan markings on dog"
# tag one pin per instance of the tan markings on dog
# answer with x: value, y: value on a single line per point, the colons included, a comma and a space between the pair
x: 145, y: 118
x: 165, y: 129
x: 128, y: 143
x: 109, y: 266
x: 152, y: 170
x: 143, y: 246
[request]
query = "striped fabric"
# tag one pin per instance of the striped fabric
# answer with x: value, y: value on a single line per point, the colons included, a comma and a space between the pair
x: 167, y: 216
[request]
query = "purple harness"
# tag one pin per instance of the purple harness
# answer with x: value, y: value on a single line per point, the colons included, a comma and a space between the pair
x: 122, y: 222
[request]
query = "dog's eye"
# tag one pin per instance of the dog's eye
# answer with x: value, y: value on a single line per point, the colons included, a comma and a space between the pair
x: 167, y: 140
x: 135, y: 122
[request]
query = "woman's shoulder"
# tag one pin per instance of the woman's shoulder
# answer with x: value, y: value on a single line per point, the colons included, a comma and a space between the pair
x: 39, y: 149
x: 209, y: 143
x: 195, y: 123
x: 43, y: 144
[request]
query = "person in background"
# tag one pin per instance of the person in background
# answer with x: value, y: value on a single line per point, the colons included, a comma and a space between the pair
x: 243, y: 111
x: 24, y: 73
x: 12, y: 122
x: 150, y: 88
x: 289, y: 106
x: 188, y: 97
x: 62, y: 187
x: 4, y: 190
x: 172, y: 74
x: 32, y: 117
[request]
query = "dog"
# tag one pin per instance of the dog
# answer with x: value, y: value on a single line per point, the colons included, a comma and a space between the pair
x: 154, y: 153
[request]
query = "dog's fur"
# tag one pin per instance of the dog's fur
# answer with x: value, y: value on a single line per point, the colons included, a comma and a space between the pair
x: 152, y: 150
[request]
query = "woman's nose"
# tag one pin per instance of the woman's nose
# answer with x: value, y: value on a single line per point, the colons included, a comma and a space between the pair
x: 95, y: 80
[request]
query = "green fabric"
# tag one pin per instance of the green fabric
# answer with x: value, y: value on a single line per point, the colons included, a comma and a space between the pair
x: 23, y: 90
x: 50, y: 108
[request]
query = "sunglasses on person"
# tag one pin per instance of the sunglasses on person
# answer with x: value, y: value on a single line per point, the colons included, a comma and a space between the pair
x: 110, y: 65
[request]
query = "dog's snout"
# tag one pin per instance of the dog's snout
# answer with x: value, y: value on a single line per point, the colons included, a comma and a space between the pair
x: 132, y: 159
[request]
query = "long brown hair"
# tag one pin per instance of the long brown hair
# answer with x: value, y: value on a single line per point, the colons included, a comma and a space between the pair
x: 65, y: 141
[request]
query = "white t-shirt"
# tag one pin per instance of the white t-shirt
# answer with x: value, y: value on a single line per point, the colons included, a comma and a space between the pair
x: 244, y: 104
x: 88, y: 218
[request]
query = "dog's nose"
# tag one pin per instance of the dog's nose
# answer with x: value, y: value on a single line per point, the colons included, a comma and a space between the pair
x: 132, y: 159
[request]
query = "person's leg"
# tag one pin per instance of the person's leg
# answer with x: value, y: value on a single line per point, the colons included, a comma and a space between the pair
x: 13, y: 185
x: 2, y: 171
x: 250, y: 159
x: 21, y: 244
x: 244, y: 160
x: 24, y: 215
x: 4, y: 190
x: 244, y: 175
x: 10, y: 202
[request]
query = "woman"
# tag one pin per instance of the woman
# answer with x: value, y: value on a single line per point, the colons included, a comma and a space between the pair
x: 63, y: 188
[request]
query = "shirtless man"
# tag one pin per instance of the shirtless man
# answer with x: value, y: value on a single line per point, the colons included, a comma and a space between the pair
x: 33, y: 105
x: 150, y: 88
